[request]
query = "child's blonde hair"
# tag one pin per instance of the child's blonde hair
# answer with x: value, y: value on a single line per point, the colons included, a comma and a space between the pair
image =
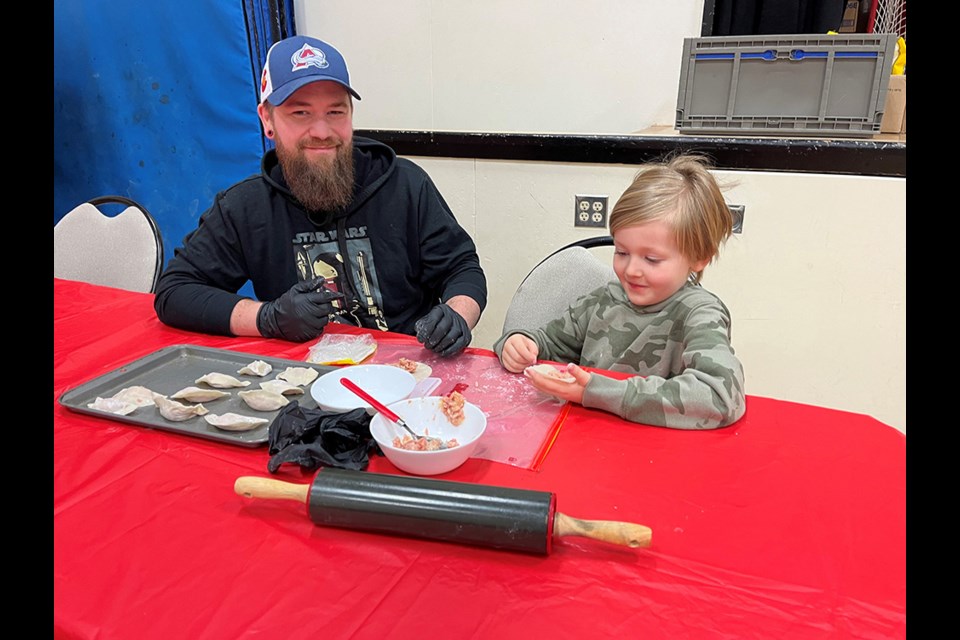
x: 681, y: 190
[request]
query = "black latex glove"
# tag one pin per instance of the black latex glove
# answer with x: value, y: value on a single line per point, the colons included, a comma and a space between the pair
x: 316, y: 438
x: 300, y: 314
x: 443, y: 331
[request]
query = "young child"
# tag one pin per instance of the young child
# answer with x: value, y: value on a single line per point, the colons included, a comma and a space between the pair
x: 656, y: 320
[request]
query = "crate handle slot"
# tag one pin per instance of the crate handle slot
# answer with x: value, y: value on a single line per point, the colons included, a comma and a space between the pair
x: 769, y: 54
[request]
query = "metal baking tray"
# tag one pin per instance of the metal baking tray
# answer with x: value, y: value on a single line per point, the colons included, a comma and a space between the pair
x: 170, y: 369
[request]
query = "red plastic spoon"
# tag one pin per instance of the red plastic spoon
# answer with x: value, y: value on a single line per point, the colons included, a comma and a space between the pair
x: 376, y: 404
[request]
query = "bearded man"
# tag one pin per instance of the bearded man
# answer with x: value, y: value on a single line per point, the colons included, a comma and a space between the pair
x: 334, y: 228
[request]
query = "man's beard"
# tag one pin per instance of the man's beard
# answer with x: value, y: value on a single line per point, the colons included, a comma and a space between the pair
x: 320, y: 185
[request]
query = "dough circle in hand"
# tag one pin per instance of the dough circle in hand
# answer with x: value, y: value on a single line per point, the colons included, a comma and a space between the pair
x: 551, y: 372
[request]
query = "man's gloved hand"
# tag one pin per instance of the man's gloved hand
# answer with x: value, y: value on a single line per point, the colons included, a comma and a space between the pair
x: 443, y: 331
x: 300, y: 314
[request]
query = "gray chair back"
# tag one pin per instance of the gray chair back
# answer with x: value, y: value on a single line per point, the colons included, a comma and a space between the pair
x: 123, y: 251
x: 556, y: 283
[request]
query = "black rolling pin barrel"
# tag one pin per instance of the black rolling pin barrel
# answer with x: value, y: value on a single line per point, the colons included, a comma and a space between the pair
x: 475, y: 514
x: 424, y: 508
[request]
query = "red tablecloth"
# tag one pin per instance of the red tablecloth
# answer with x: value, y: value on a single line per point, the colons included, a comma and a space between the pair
x: 790, y: 523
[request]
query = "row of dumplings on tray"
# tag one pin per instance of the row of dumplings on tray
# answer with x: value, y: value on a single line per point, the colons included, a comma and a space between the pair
x: 271, y: 395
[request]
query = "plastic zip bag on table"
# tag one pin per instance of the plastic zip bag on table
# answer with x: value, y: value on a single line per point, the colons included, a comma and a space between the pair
x: 342, y: 349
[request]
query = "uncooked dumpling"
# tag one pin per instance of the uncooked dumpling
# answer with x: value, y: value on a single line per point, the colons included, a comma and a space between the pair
x: 256, y: 368
x: 263, y: 400
x: 176, y: 412
x: 140, y: 396
x: 196, y: 394
x: 551, y: 371
x: 282, y: 387
x: 298, y: 375
x: 420, y: 370
x: 113, y: 405
x: 234, y: 421
x: 222, y: 381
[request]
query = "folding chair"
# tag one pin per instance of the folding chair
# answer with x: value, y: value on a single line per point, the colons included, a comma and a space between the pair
x: 556, y: 282
x: 123, y: 251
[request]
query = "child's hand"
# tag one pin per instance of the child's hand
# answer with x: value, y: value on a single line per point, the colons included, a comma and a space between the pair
x: 519, y: 352
x: 572, y: 391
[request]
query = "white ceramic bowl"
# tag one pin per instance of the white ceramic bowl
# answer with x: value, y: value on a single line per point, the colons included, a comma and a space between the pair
x: 384, y: 382
x: 424, y: 416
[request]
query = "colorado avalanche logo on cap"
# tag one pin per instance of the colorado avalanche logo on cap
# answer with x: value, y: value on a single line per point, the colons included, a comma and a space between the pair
x: 308, y: 56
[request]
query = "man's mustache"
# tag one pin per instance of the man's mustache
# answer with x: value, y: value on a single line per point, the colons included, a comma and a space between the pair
x: 333, y: 141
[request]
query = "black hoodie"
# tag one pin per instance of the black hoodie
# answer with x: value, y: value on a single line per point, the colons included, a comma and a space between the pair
x: 404, y: 250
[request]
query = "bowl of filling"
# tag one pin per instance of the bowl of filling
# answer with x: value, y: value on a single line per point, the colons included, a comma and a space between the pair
x: 448, y: 427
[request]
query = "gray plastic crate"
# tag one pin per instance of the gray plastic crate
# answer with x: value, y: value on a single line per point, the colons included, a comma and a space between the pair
x: 813, y: 85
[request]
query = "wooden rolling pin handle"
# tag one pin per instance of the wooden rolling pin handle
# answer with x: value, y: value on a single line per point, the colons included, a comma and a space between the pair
x: 626, y: 534
x: 254, y: 487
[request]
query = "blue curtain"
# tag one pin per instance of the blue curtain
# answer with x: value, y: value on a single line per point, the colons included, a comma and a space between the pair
x: 157, y: 102
x: 268, y: 21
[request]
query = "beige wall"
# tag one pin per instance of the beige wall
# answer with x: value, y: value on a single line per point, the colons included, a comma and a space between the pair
x: 816, y: 282
x: 570, y: 66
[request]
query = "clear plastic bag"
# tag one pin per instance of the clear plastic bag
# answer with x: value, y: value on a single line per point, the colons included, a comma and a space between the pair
x: 342, y: 349
x: 521, y: 421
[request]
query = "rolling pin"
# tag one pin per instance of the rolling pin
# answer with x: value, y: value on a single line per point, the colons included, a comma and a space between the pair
x: 499, y: 517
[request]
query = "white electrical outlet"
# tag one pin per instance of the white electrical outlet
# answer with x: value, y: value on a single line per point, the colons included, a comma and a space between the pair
x: 590, y: 211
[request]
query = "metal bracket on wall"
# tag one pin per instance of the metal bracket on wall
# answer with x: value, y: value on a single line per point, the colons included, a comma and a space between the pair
x: 737, y: 211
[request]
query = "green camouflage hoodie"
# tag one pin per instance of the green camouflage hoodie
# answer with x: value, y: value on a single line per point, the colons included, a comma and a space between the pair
x: 689, y: 377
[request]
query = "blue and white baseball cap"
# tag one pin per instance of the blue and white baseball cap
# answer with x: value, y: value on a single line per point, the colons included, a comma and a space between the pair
x: 297, y: 61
